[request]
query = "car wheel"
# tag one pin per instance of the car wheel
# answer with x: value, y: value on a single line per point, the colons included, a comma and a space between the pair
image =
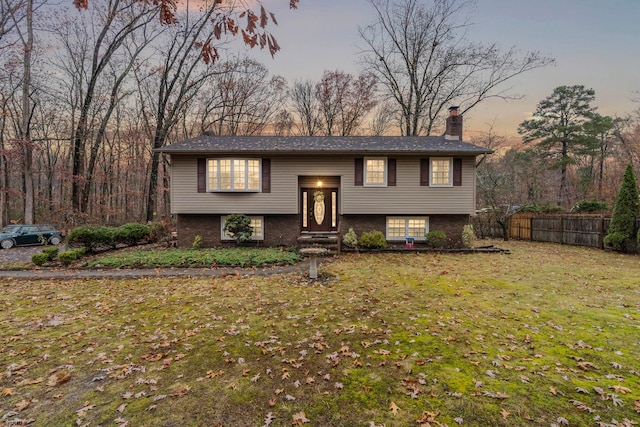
x: 55, y: 240
x: 7, y: 244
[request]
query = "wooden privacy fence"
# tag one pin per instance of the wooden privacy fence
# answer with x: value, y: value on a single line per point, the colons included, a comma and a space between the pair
x: 570, y: 229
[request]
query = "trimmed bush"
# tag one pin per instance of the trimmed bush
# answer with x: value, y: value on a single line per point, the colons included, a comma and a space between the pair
x: 373, y: 240
x: 238, y: 226
x: 350, y: 238
x: 468, y: 236
x: 50, y: 252
x: 91, y: 237
x: 617, y: 241
x: 39, y: 259
x: 436, y: 239
x: 67, y: 257
x: 131, y: 234
x: 623, y: 222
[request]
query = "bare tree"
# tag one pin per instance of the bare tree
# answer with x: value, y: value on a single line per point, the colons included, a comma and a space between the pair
x: 344, y: 100
x: 171, y: 85
x: 305, y: 106
x: 24, y: 13
x: 241, y: 99
x: 425, y: 63
x: 383, y: 119
x: 117, y: 21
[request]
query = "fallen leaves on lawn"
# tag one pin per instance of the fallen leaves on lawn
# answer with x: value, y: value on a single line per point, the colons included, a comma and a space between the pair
x: 300, y: 418
x: 58, y: 378
x: 394, y: 408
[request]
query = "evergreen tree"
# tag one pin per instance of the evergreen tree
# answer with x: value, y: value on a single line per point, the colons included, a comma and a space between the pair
x: 558, y: 129
x: 623, y: 222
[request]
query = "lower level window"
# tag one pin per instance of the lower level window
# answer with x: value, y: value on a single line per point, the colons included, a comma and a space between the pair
x: 257, y: 225
x: 399, y: 228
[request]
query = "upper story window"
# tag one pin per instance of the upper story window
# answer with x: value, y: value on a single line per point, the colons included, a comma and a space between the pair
x: 441, y: 172
x: 233, y: 174
x: 375, y: 171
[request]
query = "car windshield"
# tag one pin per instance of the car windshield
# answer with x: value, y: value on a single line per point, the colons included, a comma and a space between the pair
x: 9, y: 228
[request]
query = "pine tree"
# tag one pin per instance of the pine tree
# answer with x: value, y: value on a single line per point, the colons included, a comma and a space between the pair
x: 623, y: 222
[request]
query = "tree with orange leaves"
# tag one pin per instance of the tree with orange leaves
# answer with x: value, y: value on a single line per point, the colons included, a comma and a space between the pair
x: 253, y: 34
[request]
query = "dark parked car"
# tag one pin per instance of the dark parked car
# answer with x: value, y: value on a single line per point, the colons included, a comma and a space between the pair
x: 29, y: 234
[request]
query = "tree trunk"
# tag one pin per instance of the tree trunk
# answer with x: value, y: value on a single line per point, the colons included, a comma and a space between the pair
x: 26, y: 119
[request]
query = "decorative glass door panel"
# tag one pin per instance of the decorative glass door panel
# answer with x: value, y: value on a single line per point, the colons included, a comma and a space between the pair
x: 319, y: 210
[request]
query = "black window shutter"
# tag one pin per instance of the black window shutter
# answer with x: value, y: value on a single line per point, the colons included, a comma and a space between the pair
x: 391, y: 172
x: 266, y: 175
x: 359, y: 171
x: 424, y: 172
x: 202, y: 175
x: 457, y: 172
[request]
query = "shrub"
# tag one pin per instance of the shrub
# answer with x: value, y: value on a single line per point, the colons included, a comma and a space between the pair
x: 159, y: 232
x: 468, y: 236
x: 91, y: 237
x: 436, y: 239
x: 197, y: 242
x: 238, y: 226
x: 373, y: 240
x: 623, y: 221
x: 39, y: 259
x: 131, y: 234
x: 350, y: 238
x: 589, y: 206
x: 617, y: 241
x: 67, y: 257
x: 51, y: 252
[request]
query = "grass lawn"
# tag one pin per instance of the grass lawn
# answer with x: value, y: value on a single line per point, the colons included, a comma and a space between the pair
x: 549, y: 335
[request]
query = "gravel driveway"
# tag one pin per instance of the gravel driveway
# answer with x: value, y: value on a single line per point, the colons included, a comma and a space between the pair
x: 20, y: 254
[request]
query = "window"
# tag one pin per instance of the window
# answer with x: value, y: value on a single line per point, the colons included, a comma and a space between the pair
x: 233, y: 175
x: 441, y: 172
x: 257, y: 224
x: 375, y: 172
x: 399, y: 228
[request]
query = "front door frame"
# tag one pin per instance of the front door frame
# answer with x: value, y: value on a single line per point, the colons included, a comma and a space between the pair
x: 331, y: 217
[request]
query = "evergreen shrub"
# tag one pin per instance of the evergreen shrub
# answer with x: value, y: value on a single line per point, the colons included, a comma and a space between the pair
x: 436, y: 239
x: 373, y: 240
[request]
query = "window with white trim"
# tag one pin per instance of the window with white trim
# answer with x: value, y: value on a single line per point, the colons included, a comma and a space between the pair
x: 257, y: 225
x: 375, y: 171
x: 441, y: 172
x: 399, y: 227
x: 233, y: 175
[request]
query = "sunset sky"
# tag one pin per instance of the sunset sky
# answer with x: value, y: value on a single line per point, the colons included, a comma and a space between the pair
x: 596, y: 43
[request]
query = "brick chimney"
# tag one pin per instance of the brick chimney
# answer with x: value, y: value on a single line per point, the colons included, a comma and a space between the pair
x: 454, y: 125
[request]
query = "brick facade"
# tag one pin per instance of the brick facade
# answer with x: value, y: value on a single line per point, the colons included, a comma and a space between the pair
x: 279, y: 230
x: 451, y: 225
x: 283, y: 230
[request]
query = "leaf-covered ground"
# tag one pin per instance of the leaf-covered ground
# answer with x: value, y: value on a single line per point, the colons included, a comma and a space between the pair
x: 549, y: 335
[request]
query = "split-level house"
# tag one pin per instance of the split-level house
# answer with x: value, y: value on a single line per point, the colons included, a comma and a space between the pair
x: 295, y: 187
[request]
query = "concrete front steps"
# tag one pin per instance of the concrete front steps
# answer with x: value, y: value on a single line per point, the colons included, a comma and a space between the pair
x: 328, y: 241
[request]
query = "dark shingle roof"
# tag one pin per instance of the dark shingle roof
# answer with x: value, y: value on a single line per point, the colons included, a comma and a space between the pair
x: 324, y: 145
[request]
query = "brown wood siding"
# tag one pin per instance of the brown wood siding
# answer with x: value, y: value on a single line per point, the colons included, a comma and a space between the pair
x: 408, y: 197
